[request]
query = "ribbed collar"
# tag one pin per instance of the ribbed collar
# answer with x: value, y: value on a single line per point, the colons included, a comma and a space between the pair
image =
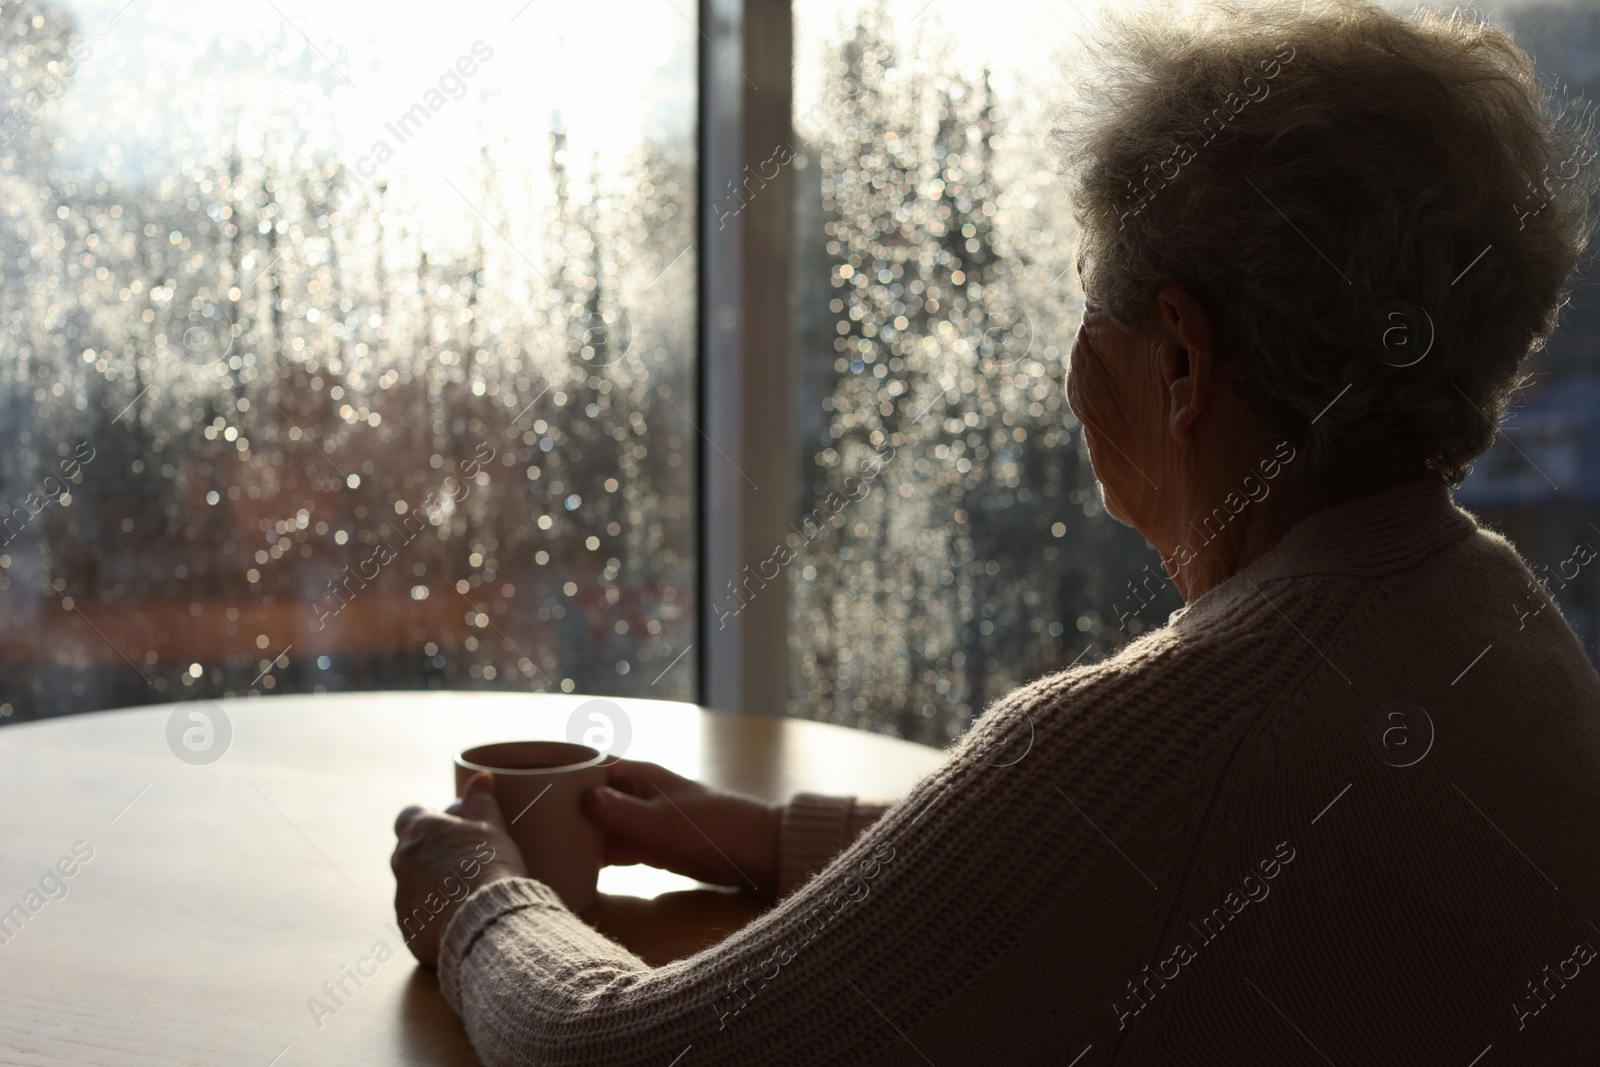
x: 1370, y: 535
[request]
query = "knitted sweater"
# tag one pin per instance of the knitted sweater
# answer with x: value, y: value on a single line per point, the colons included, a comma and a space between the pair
x: 1343, y: 808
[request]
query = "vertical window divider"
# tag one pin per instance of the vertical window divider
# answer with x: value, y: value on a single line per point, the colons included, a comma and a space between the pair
x: 746, y: 465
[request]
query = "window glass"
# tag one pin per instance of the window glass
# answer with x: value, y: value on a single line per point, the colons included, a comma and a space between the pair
x: 950, y: 543
x: 345, y: 347
x: 1540, y: 483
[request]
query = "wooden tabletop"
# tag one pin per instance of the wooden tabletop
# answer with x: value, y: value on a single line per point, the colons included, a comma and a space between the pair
x: 218, y: 898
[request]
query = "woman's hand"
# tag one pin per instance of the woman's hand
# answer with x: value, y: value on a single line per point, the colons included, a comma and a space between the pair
x: 443, y: 856
x: 653, y: 816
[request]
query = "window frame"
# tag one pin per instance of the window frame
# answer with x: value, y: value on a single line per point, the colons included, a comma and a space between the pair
x: 746, y: 268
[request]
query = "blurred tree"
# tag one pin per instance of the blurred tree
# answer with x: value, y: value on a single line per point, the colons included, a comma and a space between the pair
x: 943, y: 587
x: 321, y: 420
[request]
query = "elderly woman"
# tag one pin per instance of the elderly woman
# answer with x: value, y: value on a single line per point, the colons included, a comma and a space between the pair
x: 1345, y: 806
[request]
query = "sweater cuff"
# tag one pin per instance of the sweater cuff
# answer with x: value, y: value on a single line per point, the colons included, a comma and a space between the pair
x: 814, y: 829
x: 484, y: 906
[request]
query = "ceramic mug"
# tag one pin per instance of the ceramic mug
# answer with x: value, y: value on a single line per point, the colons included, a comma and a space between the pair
x: 539, y: 786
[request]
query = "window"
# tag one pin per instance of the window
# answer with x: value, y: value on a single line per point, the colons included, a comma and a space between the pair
x: 952, y: 545
x: 346, y: 347
x: 1540, y: 483
x: 948, y: 540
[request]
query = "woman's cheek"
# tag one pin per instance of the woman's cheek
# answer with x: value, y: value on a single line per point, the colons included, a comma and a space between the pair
x: 1078, y: 387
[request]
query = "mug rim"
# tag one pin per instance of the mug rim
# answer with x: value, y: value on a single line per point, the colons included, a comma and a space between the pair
x: 464, y: 759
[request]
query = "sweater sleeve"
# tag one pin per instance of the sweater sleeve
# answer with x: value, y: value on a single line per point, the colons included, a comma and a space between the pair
x: 936, y: 886
x: 814, y: 830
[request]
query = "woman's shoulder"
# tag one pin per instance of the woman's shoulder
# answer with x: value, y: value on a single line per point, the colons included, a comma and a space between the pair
x: 1165, y: 697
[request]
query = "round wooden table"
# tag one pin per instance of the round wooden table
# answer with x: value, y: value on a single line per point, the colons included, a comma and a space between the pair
x: 217, y: 899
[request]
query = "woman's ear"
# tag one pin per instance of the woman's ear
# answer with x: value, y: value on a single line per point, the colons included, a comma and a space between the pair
x: 1188, y: 362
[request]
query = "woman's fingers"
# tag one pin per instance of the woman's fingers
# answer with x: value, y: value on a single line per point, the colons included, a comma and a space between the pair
x: 627, y: 816
x: 478, y: 802
x: 685, y: 827
x: 642, y: 831
x: 407, y: 816
x: 436, y: 849
x: 638, y: 777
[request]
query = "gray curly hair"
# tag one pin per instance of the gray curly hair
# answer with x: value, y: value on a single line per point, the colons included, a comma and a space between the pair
x: 1330, y: 180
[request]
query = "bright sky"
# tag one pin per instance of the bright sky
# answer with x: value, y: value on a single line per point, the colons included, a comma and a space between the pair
x: 170, y: 76
x: 167, y: 72
x: 1019, y: 40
